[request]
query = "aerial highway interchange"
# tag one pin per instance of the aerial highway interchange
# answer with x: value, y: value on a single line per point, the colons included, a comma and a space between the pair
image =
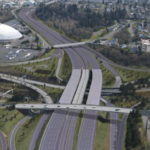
x: 73, y: 93
x: 60, y: 130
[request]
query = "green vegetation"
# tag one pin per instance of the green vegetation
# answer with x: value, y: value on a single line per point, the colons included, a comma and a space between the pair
x: 97, y: 34
x: 0, y: 146
x: 124, y: 57
x: 53, y: 92
x: 135, y: 136
x: 145, y: 94
x: 5, y: 85
x: 48, y: 53
x: 42, y: 71
x: 123, y: 36
x: 128, y: 97
x: 24, y: 94
x: 102, y: 132
x: 24, y: 134
x: 130, y: 75
x: 66, y: 67
x: 127, y: 89
x: 108, y: 77
x: 20, y: 92
x: 145, y: 98
x: 8, y: 119
x: 77, y: 131
x: 78, y: 23
x: 142, y: 83
x: 125, y: 101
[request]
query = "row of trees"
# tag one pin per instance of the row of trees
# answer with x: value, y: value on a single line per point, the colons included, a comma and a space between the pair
x: 123, y: 36
x: 133, y: 136
x: 127, y: 89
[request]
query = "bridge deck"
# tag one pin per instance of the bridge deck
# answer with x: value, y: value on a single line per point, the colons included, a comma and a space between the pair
x: 73, y: 106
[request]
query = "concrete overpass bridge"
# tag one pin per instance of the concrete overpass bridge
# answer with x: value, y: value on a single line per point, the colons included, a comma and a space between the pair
x: 66, y: 45
x: 6, y: 93
x: 72, y: 107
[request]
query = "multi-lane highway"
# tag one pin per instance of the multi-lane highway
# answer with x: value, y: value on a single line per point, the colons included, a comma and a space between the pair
x: 80, y: 59
x: 59, y: 133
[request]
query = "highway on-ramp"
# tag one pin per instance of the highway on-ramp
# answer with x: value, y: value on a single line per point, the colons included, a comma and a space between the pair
x: 12, y: 138
x: 3, y: 142
x: 46, y: 97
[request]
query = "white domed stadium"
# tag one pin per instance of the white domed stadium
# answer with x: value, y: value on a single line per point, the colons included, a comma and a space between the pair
x: 8, y: 33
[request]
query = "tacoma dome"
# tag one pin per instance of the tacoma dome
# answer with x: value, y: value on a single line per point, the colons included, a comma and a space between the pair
x: 8, y: 33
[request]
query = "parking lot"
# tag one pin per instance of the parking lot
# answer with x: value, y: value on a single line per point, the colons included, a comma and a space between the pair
x: 15, y: 51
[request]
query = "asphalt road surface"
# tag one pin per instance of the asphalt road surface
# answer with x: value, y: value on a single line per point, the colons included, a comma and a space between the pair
x: 3, y: 142
x: 37, y: 132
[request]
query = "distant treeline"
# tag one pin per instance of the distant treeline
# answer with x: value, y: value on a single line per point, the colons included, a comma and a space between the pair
x: 5, y: 16
x: 78, y: 22
x: 123, y: 57
x: 135, y: 136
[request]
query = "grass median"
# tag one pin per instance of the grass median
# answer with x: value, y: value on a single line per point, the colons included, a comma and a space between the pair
x: 102, y: 133
x: 66, y: 67
x: 108, y: 77
x: 129, y: 75
x: 77, y: 131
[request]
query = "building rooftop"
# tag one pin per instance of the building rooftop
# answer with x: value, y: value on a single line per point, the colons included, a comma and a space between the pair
x: 146, y: 41
x: 8, y: 33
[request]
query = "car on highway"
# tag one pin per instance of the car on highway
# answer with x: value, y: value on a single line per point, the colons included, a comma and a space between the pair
x: 117, y: 109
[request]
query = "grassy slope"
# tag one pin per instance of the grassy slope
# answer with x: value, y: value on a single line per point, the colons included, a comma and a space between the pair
x: 108, y: 77
x: 24, y: 134
x: 129, y: 75
x: 8, y: 119
x: 102, y: 135
x: 77, y: 131
x: 66, y: 67
x: 97, y: 35
x: 51, y: 65
x: 31, y: 69
x: 53, y: 92
x: 47, y: 54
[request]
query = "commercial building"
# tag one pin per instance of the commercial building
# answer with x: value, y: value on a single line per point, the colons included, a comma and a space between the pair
x: 145, y: 45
